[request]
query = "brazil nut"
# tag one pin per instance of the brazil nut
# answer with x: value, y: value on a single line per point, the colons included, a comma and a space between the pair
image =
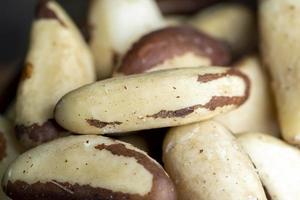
x: 152, y: 100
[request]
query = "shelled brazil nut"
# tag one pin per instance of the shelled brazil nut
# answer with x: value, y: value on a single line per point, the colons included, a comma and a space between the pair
x: 280, y: 50
x: 58, y: 61
x: 233, y: 23
x: 116, y: 25
x: 206, y: 163
x: 9, y: 148
x: 152, y: 100
x: 87, y: 167
x: 174, y: 47
x: 277, y: 164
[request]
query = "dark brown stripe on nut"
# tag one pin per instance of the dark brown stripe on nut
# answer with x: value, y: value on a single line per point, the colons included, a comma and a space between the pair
x: 269, y: 197
x: 27, y: 71
x: 156, y: 47
x: 33, y: 135
x: 204, y: 78
x: 215, y: 101
x: 2, y: 146
x: 161, y: 184
x: 21, y: 190
x: 162, y: 187
x: 101, y: 124
x: 44, y: 12
x: 62, y: 191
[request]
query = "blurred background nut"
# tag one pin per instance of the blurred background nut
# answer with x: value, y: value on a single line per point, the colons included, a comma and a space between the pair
x: 277, y: 164
x: 230, y: 22
x: 57, y: 62
x: 205, y: 162
x: 279, y: 32
x: 177, y: 97
x: 174, y: 47
x: 87, y: 167
x: 116, y: 25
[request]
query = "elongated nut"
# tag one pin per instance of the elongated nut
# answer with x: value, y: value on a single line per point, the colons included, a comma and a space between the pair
x: 58, y: 61
x: 152, y: 100
x: 174, y: 47
x: 257, y: 114
x: 116, y: 25
x: 231, y: 22
x: 9, y: 148
x: 280, y: 51
x: 277, y: 164
x: 205, y: 162
x: 87, y: 167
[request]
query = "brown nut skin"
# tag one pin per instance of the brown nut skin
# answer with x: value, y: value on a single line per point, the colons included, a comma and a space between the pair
x: 30, y: 136
x: 165, y: 44
x: 104, y: 169
x: 183, y: 6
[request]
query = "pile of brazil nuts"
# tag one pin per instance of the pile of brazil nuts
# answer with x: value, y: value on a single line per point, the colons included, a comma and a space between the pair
x: 165, y: 100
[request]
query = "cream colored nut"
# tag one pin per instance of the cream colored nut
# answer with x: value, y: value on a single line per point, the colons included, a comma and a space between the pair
x: 136, y: 140
x: 279, y: 22
x: 58, y: 61
x: 116, y: 25
x: 87, y: 167
x: 9, y: 148
x: 174, y: 47
x: 206, y: 163
x: 277, y: 164
x: 257, y: 114
x: 230, y: 22
x: 152, y: 100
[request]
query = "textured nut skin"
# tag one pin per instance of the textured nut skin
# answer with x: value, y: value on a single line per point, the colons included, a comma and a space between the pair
x: 152, y: 100
x: 277, y: 164
x: 58, y: 61
x: 112, y: 35
x: 206, y: 163
x: 174, y: 47
x: 232, y: 23
x: 257, y: 114
x: 31, y: 136
x: 279, y: 22
x: 9, y: 148
x: 87, y: 167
